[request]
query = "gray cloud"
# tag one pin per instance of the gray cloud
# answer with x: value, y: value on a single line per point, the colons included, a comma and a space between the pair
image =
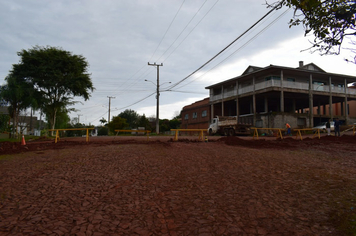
x: 118, y: 38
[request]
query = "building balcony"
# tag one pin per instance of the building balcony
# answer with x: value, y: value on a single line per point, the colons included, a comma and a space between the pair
x: 270, y: 84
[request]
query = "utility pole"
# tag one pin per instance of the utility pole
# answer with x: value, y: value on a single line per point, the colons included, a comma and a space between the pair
x: 157, y: 96
x: 109, y: 108
x: 78, y: 118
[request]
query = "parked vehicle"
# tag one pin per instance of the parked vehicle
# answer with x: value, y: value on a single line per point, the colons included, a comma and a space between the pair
x: 229, y: 126
x: 322, y: 126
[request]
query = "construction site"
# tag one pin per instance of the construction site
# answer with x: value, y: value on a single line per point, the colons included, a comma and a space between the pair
x: 157, y: 186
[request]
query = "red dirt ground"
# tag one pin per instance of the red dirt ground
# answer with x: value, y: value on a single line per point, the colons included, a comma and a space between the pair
x: 131, y: 186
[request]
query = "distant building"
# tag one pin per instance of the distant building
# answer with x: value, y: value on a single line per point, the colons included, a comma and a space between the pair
x: 26, y: 124
x: 196, y: 115
x: 273, y: 95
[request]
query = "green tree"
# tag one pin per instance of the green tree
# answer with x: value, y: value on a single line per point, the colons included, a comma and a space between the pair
x: 144, y: 122
x: 62, y: 119
x: 18, y: 93
x: 164, y: 125
x: 4, y: 122
x: 103, y: 121
x: 103, y: 131
x: 117, y: 122
x: 174, y: 123
x: 75, y: 133
x: 131, y: 117
x: 330, y: 21
x: 56, y: 76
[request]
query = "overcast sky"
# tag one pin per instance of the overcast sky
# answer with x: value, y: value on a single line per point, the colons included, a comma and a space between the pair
x: 119, y: 38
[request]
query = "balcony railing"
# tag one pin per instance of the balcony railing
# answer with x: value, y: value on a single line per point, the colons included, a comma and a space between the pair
x: 286, y: 84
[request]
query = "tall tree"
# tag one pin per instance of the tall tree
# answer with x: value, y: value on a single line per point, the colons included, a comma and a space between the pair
x: 18, y: 93
x: 116, y: 123
x: 144, y: 122
x: 330, y: 21
x: 57, y: 76
x: 131, y: 116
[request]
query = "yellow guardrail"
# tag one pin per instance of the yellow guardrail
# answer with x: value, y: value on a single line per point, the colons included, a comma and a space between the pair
x: 57, y: 132
x: 353, y: 127
x: 131, y: 130
x: 316, y: 133
x: 201, y: 133
x: 298, y: 131
x: 280, y: 135
x: 279, y: 132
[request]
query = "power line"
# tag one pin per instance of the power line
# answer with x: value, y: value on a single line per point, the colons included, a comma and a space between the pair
x: 245, y: 44
x: 189, y: 32
x: 179, y: 82
x: 176, y: 84
x: 167, y: 30
x: 191, y: 19
x: 136, y: 102
x: 147, y: 72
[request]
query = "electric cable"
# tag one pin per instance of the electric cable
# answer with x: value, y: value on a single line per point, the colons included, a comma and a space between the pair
x: 191, y: 19
x: 269, y: 12
x: 238, y: 49
x: 190, y: 31
x: 159, y: 44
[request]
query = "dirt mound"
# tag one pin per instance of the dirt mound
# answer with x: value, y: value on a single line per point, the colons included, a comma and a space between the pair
x: 16, y: 147
x: 288, y: 142
x: 285, y: 143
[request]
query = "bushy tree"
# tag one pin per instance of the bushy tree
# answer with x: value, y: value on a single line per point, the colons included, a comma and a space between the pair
x: 330, y: 21
x: 103, y: 131
x: 116, y: 123
x: 144, y: 122
x: 56, y: 77
x: 174, y: 123
x: 62, y: 119
x: 75, y: 133
x: 17, y: 92
x: 164, y: 125
x: 4, y: 122
x: 131, y: 116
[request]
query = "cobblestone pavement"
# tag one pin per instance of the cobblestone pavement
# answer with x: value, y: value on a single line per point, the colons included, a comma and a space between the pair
x: 178, y: 188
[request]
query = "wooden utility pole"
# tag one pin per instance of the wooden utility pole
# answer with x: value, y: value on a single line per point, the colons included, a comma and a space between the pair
x: 109, y: 107
x: 78, y: 118
x: 157, y: 96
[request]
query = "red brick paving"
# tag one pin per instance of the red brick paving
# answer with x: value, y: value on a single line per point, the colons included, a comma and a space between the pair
x: 226, y: 187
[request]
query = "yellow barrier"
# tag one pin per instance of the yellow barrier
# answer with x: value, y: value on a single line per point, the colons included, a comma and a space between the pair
x: 353, y: 127
x: 57, y: 132
x: 279, y: 130
x: 316, y: 133
x: 130, y: 130
x: 201, y: 133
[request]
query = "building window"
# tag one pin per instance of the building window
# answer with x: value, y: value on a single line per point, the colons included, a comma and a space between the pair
x: 273, y: 77
x: 291, y: 79
x: 186, y: 117
x: 217, y: 91
x: 195, y: 115
x: 204, y: 113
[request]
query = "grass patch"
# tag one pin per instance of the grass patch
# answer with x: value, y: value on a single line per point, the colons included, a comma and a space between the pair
x: 5, y: 157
